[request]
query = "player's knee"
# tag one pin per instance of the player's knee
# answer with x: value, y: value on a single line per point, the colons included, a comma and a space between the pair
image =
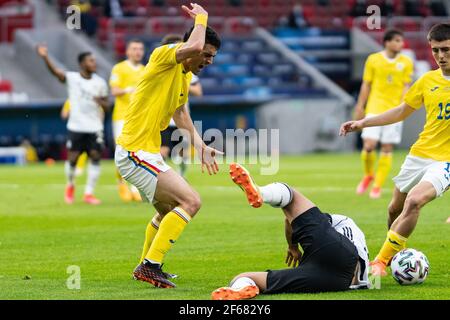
x: 413, y: 203
x: 95, y: 158
x: 369, y: 146
x: 394, y: 209
x: 192, y: 203
x: 387, y: 148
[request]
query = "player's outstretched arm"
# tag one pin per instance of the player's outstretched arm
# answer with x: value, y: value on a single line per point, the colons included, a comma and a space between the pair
x: 394, y: 115
x: 42, y: 51
x: 183, y: 120
x: 194, y: 45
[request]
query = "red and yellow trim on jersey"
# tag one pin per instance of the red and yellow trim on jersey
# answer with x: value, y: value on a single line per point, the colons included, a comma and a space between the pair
x: 182, y: 214
x: 143, y: 164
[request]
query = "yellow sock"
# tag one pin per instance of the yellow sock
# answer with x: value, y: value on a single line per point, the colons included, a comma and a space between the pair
x: 384, y: 166
x: 368, y: 161
x: 150, y: 233
x: 82, y: 159
x: 393, y: 244
x: 172, y: 225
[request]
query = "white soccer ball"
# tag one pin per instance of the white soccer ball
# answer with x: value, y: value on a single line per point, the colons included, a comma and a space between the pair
x: 410, y: 266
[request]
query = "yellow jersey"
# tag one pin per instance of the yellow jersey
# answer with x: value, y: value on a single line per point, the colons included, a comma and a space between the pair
x: 388, y: 79
x: 124, y: 75
x: 433, y: 91
x: 163, y: 88
x: 66, y: 106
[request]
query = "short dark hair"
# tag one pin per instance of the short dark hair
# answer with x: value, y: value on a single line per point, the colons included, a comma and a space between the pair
x: 83, y: 56
x: 439, y: 32
x: 171, y: 38
x: 135, y: 40
x: 211, y: 37
x: 391, y: 34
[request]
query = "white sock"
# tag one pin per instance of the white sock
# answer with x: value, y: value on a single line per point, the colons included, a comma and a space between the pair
x: 70, y: 172
x: 242, y: 282
x: 93, y: 175
x: 277, y: 194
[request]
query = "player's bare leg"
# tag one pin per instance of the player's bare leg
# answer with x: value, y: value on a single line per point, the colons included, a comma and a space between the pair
x: 70, y: 168
x: 419, y: 196
x: 173, y: 192
x: 93, y: 176
x: 396, y: 206
x: 368, y: 159
x: 403, y: 226
x: 384, y: 167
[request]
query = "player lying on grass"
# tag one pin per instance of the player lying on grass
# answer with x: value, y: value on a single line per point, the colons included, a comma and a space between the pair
x: 160, y: 95
x: 425, y: 174
x: 335, y: 256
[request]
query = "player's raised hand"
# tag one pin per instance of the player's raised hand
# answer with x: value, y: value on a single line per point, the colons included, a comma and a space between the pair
x: 208, y: 158
x: 42, y: 50
x: 293, y: 257
x: 350, y: 126
x: 195, y: 10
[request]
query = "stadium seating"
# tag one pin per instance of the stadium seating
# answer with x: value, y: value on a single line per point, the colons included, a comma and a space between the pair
x: 14, y: 14
x: 245, y: 66
x: 314, y: 45
x: 415, y: 29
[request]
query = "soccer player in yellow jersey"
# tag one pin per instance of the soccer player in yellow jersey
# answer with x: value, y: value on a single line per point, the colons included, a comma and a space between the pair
x: 124, y: 79
x: 160, y: 95
x: 425, y: 174
x: 387, y: 75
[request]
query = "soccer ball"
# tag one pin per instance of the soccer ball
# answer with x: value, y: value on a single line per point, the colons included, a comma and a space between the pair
x: 409, y: 266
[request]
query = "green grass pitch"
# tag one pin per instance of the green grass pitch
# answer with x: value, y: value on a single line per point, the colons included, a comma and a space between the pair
x: 40, y: 236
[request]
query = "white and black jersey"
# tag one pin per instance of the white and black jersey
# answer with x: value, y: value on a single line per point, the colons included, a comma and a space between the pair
x: 85, y: 116
x: 347, y: 227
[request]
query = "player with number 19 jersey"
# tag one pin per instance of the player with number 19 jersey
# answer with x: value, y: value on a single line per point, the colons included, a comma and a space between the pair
x: 432, y: 90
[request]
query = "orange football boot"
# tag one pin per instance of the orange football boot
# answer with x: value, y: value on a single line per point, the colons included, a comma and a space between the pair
x: 91, y: 199
x: 242, y: 178
x: 226, y: 293
x: 378, y: 268
x: 69, y: 194
x: 375, y: 193
x: 364, y: 184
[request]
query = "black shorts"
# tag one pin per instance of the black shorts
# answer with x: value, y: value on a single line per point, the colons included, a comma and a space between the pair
x: 166, y: 138
x: 329, y: 259
x: 81, y: 141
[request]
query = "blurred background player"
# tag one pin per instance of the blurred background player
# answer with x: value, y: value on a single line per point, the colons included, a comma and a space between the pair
x: 83, y: 158
x: 124, y: 79
x: 167, y: 144
x: 425, y: 173
x: 161, y: 95
x: 88, y: 96
x: 335, y: 255
x: 387, y: 75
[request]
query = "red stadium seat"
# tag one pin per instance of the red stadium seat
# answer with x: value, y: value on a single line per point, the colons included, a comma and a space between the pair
x: 6, y: 86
